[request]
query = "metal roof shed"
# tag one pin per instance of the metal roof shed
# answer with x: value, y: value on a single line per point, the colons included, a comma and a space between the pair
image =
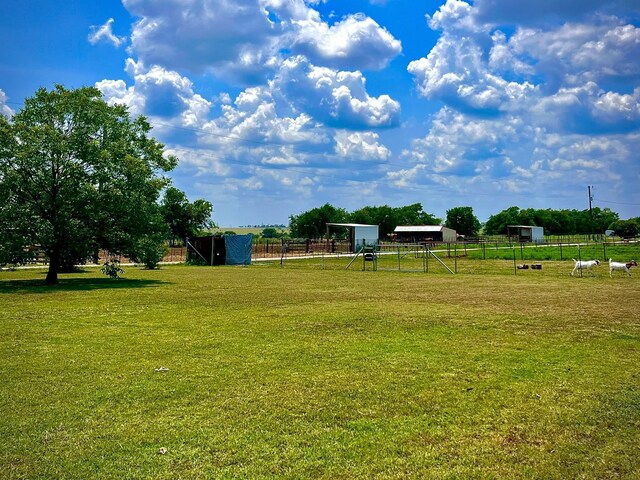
x: 526, y: 233
x: 359, y: 234
x: 425, y: 233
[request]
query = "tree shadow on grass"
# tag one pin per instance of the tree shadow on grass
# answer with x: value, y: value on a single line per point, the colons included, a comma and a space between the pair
x: 74, y: 284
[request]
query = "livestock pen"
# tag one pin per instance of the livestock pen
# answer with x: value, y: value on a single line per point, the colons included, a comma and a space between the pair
x: 463, y: 257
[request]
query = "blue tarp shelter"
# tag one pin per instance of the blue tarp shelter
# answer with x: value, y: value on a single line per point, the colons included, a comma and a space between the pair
x: 220, y: 249
x: 238, y: 249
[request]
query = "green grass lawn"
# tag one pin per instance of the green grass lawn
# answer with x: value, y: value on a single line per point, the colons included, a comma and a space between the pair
x: 311, y: 373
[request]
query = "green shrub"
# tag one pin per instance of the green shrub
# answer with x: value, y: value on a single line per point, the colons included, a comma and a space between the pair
x: 150, y: 252
x: 111, y: 268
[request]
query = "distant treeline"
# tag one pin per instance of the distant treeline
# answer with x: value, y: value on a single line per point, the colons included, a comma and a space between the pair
x: 562, y: 222
x: 312, y: 223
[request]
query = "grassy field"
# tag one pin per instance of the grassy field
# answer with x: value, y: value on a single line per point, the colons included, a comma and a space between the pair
x: 601, y: 251
x: 262, y: 372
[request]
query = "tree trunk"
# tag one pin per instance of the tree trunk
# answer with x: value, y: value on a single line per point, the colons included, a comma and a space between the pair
x: 54, y: 266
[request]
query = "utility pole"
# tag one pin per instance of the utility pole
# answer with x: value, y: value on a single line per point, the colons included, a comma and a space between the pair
x: 590, y: 188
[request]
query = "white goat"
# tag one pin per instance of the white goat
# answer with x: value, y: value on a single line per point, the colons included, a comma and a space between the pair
x: 584, y: 265
x: 621, y: 266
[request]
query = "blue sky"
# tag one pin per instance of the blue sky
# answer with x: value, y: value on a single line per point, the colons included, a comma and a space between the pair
x: 275, y: 107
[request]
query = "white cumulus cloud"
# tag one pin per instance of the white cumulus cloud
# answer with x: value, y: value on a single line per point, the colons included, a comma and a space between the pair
x: 203, y: 35
x: 360, y: 146
x: 336, y: 98
x: 457, y: 73
x: 165, y: 96
x: 243, y: 40
x: 104, y: 33
x: 4, y: 108
x: 357, y: 42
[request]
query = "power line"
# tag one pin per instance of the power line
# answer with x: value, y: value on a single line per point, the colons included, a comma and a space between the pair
x: 618, y: 203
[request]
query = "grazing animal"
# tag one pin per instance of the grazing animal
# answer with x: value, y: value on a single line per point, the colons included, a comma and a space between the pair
x: 624, y: 267
x: 584, y: 265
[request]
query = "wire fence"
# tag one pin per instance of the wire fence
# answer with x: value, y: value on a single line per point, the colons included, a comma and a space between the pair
x: 462, y: 257
x: 477, y: 256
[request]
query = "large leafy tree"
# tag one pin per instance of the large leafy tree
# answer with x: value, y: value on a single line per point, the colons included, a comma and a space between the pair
x: 463, y: 221
x: 414, y: 214
x: 185, y: 219
x: 598, y: 219
x: 313, y: 223
x: 77, y: 175
x: 497, y: 224
x: 383, y: 216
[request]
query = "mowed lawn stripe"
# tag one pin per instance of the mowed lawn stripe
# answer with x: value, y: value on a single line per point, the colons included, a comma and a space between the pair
x: 301, y: 373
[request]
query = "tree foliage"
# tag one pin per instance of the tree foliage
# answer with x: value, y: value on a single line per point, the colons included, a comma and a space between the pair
x: 626, y: 228
x: 554, y: 222
x: 383, y: 216
x: 77, y: 175
x: 414, y: 214
x: 313, y: 223
x: 463, y: 221
x: 183, y: 218
x: 497, y: 224
x: 271, y: 232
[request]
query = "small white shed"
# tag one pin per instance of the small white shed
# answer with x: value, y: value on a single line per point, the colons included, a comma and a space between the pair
x: 359, y: 234
x: 526, y: 233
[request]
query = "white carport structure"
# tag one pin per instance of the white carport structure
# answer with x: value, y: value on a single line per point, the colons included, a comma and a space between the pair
x: 525, y: 233
x: 359, y: 234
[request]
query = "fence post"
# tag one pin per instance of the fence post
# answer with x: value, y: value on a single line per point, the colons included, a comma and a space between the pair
x: 455, y: 257
x: 515, y: 269
x: 212, y: 249
x: 424, y: 259
x: 604, y: 250
x: 427, y: 256
x: 580, y: 260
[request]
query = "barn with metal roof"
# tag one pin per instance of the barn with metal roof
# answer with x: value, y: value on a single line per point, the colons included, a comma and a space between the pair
x: 425, y: 233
